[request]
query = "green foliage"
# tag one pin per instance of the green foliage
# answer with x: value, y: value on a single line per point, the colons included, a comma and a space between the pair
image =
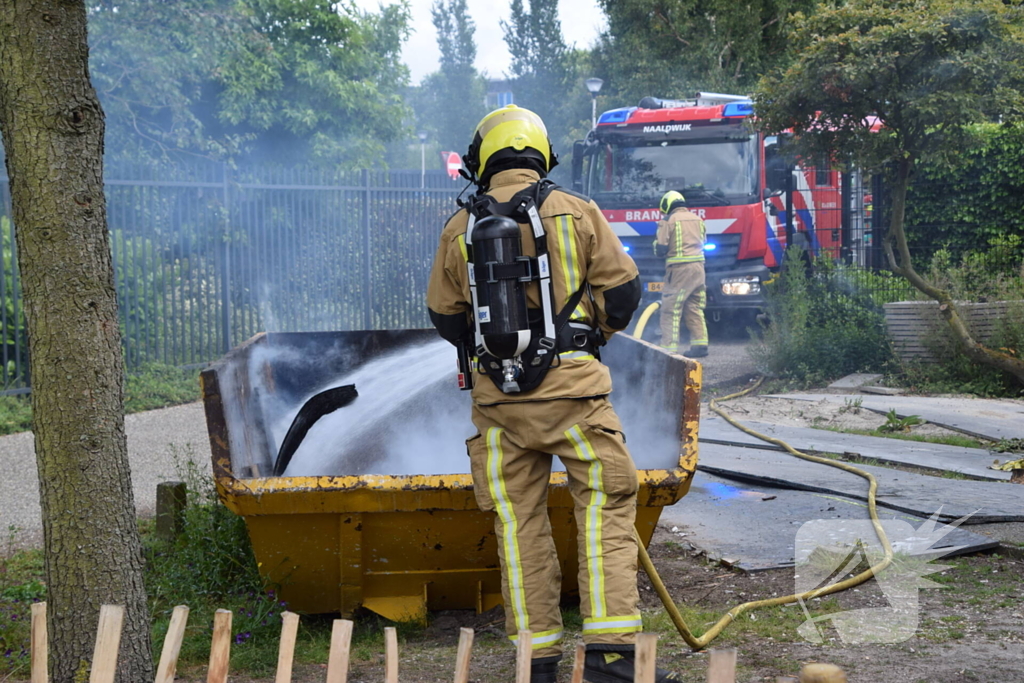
x: 153, y: 386
x: 955, y: 373
x: 821, y: 327
x: 15, y: 414
x: 450, y: 102
x: 1008, y: 446
x: 673, y: 48
x: 284, y: 80
x: 993, y: 274
x: 157, y: 386
x: 20, y: 586
x: 894, y: 423
x: 211, y: 566
x: 924, y: 70
x: 975, y: 202
x: 546, y: 73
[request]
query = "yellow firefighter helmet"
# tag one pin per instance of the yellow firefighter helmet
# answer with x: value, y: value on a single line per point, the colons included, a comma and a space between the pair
x: 670, y: 198
x: 506, y: 133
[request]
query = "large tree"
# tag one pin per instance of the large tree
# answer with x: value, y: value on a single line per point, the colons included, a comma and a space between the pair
x: 285, y: 81
x: 671, y: 48
x: 923, y: 72
x: 544, y: 70
x: 450, y: 102
x: 52, y: 126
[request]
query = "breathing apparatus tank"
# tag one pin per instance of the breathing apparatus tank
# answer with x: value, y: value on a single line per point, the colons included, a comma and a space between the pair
x: 501, y: 274
x: 497, y: 242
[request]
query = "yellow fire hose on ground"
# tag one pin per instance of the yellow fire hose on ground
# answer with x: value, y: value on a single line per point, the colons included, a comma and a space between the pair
x: 645, y: 560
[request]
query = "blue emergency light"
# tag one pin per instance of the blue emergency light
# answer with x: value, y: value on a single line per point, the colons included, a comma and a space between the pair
x: 710, y: 246
x: 626, y: 247
x: 738, y: 109
x: 616, y: 115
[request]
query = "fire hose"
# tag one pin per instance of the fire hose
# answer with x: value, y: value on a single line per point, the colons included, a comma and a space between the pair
x: 699, y: 643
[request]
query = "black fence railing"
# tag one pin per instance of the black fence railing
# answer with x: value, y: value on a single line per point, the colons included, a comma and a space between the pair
x: 206, y: 256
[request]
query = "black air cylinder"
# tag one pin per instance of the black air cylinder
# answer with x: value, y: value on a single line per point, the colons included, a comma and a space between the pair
x: 501, y: 297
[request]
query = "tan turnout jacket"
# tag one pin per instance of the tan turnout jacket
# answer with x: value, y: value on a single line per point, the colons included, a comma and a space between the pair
x: 684, y: 233
x: 583, y: 250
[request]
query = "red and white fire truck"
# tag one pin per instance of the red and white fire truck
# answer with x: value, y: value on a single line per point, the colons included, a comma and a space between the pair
x: 752, y: 201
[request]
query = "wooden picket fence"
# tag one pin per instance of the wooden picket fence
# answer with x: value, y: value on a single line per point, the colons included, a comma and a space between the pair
x: 721, y: 664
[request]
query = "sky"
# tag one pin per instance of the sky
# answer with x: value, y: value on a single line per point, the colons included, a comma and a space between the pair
x: 582, y: 21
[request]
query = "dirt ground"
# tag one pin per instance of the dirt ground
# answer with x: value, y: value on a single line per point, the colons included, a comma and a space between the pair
x: 820, y: 414
x: 971, y: 629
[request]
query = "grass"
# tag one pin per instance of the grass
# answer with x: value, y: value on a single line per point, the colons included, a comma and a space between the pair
x: 152, y: 386
x: 943, y: 439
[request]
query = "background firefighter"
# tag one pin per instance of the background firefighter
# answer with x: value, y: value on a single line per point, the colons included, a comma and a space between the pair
x: 680, y: 240
x: 567, y: 414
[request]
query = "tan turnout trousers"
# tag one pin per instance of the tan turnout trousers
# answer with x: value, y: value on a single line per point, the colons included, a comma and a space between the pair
x: 683, y: 299
x: 511, y: 464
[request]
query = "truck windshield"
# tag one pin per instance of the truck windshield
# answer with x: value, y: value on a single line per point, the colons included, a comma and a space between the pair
x: 708, y: 173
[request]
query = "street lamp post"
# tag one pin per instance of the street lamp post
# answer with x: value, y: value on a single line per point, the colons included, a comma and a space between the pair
x: 594, y: 86
x: 423, y: 158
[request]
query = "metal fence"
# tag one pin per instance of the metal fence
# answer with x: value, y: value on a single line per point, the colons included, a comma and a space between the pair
x: 207, y: 255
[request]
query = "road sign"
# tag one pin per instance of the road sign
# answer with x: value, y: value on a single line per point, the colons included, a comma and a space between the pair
x: 453, y: 162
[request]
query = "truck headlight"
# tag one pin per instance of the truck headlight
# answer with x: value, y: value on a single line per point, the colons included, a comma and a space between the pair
x: 741, y: 286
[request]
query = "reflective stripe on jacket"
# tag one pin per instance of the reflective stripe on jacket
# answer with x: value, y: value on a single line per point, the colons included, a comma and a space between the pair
x: 684, y: 234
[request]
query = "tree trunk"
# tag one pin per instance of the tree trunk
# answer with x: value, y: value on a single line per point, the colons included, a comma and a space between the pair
x: 52, y: 128
x: 901, y: 264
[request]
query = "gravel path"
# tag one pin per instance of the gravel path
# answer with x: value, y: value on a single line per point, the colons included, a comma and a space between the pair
x: 153, y: 437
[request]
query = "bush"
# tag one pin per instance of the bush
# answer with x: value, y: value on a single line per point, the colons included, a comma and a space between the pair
x: 20, y: 587
x: 993, y: 274
x: 821, y: 326
x: 155, y: 385
x: 211, y: 565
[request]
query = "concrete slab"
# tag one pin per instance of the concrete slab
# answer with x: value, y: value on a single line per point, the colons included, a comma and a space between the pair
x: 972, y: 462
x: 914, y: 494
x: 855, y: 381
x: 983, y: 417
x: 882, y: 391
x: 757, y: 525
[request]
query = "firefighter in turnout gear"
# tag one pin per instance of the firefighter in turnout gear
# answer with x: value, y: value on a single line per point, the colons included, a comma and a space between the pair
x: 535, y: 305
x: 680, y: 241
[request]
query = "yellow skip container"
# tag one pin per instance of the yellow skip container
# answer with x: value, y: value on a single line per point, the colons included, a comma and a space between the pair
x: 401, y: 544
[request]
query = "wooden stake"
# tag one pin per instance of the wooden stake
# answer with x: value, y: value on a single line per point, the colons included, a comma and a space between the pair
x: 39, y: 645
x: 646, y: 658
x: 286, y: 649
x: 524, y: 654
x: 577, y: 663
x: 341, y: 645
x: 390, y: 655
x: 108, y: 642
x: 822, y: 673
x: 172, y: 645
x: 220, y: 647
x: 462, y: 655
x: 722, y: 666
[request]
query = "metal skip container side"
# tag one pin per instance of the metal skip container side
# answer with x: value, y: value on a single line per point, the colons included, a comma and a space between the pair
x: 407, y: 539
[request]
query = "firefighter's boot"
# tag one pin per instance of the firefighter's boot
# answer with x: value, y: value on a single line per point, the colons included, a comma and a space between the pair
x: 697, y: 351
x: 617, y: 666
x: 544, y: 669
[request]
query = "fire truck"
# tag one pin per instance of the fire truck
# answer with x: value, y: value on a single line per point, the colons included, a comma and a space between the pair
x: 753, y: 200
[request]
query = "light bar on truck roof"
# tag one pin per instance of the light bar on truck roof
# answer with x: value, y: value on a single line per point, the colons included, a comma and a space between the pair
x: 616, y: 115
x: 738, y: 109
